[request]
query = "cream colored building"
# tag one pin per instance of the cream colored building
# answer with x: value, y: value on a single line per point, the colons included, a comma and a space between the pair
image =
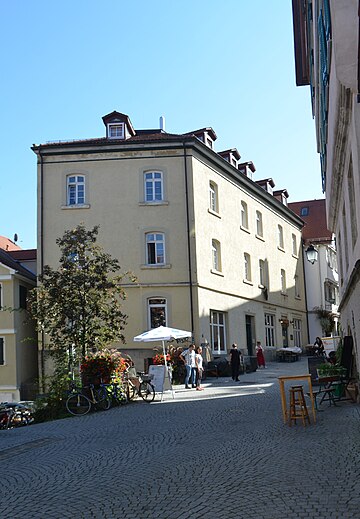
x: 326, y: 35
x: 214, y: 252
x: 18, y: 340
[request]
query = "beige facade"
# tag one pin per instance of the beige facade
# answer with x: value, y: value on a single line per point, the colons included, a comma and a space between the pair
x: 181, y: 218
x: 18, y: 342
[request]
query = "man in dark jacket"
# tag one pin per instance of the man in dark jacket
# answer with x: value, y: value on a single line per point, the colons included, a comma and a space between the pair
x: 235, y: 362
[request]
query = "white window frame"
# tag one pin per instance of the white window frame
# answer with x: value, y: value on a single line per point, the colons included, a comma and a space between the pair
x: 73, y: 190
x: 119, y: 130
x: 218, y: 331
x: 156, y: 302
x: 280, y: 237
x: 259, y: 224
x: 247, y: 267
x: 270, y: 337
x: 213, y: 197
x: 156, y: 241
x: 262, y: 273
x: 297, y: 332
x: 244, y: 215
x: 294, y: 245
x: 297, y: 286
x: 2, y: 340
x: 216, y: 255
x: 155, y: 180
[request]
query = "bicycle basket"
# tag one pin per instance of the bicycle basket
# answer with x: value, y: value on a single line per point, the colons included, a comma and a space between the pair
x: 147, y: 377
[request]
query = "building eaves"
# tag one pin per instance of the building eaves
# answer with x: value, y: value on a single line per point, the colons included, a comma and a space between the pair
x: 6, y: 259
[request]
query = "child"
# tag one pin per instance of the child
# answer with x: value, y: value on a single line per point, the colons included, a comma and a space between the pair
x: 199, y: 367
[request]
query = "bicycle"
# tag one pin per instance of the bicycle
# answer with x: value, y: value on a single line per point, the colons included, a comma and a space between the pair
x: 141, y: 387
x: 79, y: 404
x: 14, y: 414
x: 116, y: 393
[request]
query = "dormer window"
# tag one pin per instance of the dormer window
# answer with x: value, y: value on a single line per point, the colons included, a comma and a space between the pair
x: 116, y: 131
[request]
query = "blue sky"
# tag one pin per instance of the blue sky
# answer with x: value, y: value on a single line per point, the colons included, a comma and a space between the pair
x: 229, y: 65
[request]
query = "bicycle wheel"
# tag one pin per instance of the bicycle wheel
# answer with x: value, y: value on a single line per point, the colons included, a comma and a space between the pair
x: 78, y: 404
x: 102, y: 400
x: 147, y: 391
x: 131, y: 392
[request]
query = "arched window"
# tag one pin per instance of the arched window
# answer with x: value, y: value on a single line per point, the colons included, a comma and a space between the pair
x: 154, y: 189
x: 259, y: 224
x: 247, y: 267
x: 216, y: 255
x: 75, y: 189
x: 280, y: 237
x: 283, y: 281
x: 244, y: 215
x: 157, y: 311
x: 213, y: 192
x: 155, y: 248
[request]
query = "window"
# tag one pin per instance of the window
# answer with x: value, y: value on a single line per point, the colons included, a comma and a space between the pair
x: 22, y: 297
x: 269, y: 330
x: 262, y: 273
x: 304, y: 211
x: 280, y: 237
x: 297, y: 286
x: 213, y: 192
x: 345, y: 238
x: 155, y: 249
x: 216, y: 255
x: 283, y: 281
x: 157, y: 312
x: 75, y: 190
x: 331, y: 295
x: 351, y: 191
x: 259, y: 224
x: 247, y: 267
x: 153, y: 186
x: 2, y: 351
x: 1, y: 296
x: 116, y: 131
x: 294, y: 245
x: 297, y: 333
x: 218, y: 331
x: 244, y: 215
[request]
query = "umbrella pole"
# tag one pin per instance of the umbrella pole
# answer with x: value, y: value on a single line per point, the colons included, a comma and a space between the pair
x: 167, y: 374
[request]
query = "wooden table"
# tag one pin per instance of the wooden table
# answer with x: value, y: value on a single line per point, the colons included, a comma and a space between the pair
x: 292, y: 378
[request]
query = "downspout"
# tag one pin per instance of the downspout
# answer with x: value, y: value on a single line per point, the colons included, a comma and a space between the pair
x: 305, y: 294
x: 41, y: 264
x: 188, y: 240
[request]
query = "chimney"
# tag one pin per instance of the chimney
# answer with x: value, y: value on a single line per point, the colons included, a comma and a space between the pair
x: 162, y: 123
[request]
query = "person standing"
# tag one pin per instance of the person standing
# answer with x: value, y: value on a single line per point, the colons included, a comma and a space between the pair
x: 260, y: 355
x: 319, y: 347
x: 235, y: 362
x: 199, y: 367
x: 188, y: 356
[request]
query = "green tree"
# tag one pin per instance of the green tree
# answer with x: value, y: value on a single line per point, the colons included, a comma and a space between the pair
x: 78, y: 305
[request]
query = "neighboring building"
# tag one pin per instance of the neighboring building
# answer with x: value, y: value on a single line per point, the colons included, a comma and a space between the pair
x: 212, y: 250
x: 326, y: 35
x: 18, y: 339
x: 321, y: 277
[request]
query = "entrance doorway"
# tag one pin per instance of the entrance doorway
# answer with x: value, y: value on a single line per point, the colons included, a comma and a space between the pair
x: 250, y: 334
x: 285, y: 334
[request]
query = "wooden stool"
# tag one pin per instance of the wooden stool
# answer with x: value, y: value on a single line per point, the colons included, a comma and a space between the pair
x: 298, y: 407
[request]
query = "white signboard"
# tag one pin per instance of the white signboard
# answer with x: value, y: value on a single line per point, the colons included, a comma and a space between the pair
x: 330, y: 343
x: 159, y: 377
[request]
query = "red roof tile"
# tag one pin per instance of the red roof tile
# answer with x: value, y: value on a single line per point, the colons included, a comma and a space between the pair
x: 313, y: 212
x: 7, y: 244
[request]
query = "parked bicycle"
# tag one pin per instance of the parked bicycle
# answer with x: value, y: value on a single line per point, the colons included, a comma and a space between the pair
x: 139, y: 384
x: 15, y: 414
x: 82, y: 400
x: 116, y: 393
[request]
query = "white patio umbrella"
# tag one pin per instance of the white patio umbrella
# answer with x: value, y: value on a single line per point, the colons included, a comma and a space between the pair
x: 162, y: 333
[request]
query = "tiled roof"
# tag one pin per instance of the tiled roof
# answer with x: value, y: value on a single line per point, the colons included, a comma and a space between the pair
x: 23, y: 254
x: 315, y: 228
x: 6, y: 259
x: 7, y: 244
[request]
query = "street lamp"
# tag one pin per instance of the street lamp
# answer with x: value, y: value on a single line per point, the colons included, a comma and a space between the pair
x: 311, y: 254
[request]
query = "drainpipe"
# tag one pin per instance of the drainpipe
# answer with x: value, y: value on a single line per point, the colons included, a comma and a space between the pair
x: 41, y: 251
x: 188, y: 240
x: 305, y: 294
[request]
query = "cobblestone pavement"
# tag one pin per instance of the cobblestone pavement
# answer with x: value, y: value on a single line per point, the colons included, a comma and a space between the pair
x: 220, y: 453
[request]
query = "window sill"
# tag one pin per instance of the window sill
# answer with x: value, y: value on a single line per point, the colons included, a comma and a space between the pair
x: 216, y: 272
x: 156, y: 266
x: 295, y: 256
x: 245, y: 229
x: 259, y: 237
x: 298, y: 298
x: 76, y: 206
x: 281, y: 248
x: 214, y: 213
x: 155, y: 202
x: 248, y: 282
x: 284, y: 294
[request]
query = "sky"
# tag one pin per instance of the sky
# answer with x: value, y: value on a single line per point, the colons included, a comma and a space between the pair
x: 228, y: 65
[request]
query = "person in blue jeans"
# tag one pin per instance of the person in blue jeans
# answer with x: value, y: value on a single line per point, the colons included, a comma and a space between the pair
x: 188, y: 356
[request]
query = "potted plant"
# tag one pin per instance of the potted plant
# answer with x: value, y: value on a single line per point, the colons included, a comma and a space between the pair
x: 331, y: 370
x: 101, y: 366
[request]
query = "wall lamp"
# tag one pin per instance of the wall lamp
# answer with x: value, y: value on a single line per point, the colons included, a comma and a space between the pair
x: 311, y: 254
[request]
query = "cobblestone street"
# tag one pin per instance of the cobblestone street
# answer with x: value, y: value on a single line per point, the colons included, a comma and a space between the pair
x: 220, y: 453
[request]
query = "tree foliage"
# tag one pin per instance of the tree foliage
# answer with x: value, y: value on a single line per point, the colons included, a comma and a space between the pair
x: 78, y: 305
